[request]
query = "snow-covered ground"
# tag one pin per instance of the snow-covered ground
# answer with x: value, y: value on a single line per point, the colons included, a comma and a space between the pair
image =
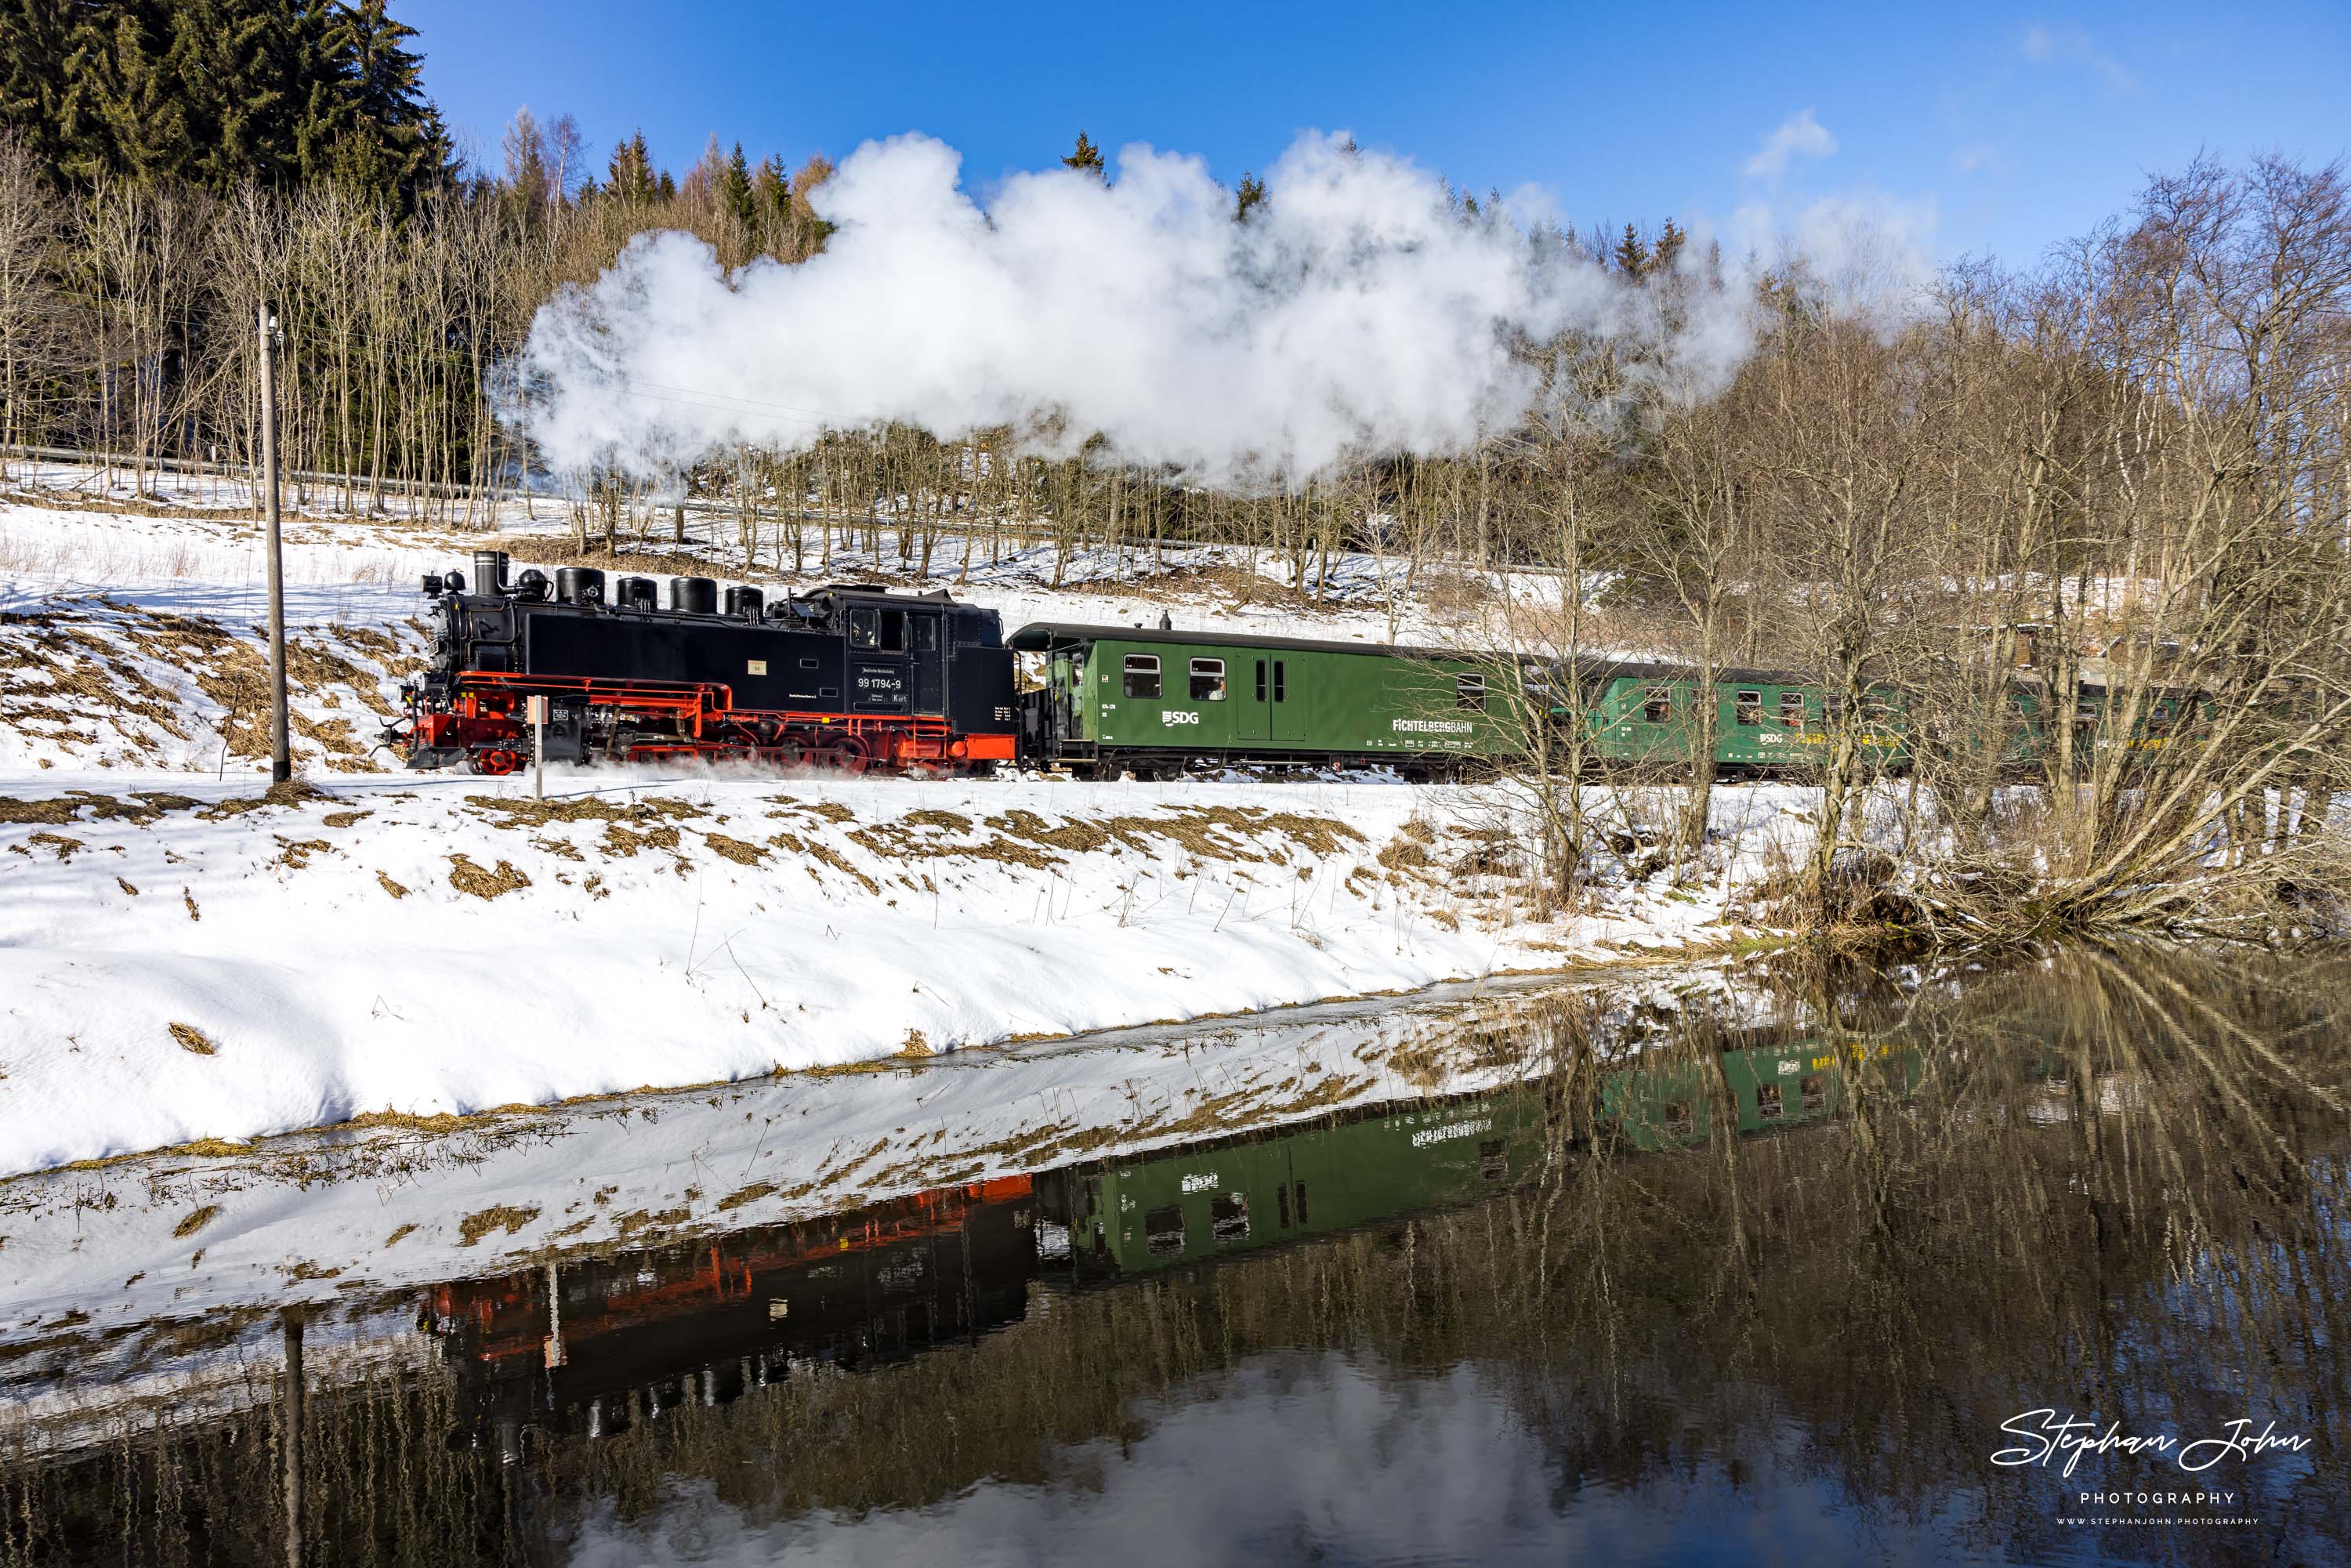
x: 183, y: 959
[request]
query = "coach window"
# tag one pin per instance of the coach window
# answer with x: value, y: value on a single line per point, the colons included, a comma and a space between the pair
x: 1163, y: 1230
x: 1767, y: 1101
x: 1208, y: 680
x: 1469, y: 693
x: 1141, y: 675
x: 1260, y: 680
x: 865, y: 628
x: 1280, y: 690
x: 1747, y: 708
x: 1792, y: 709
x: 1657, y: 704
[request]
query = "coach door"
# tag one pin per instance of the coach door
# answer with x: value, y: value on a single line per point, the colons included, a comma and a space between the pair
x: 1283, y: 707
x: 881, y: 669
x: 1252, y: 696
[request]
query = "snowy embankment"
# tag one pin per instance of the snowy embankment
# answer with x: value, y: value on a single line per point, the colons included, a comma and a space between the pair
x: 183, y: 959
x: 190, y: 960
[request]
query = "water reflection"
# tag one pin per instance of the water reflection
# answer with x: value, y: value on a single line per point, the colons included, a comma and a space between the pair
x: 1701, y: 1286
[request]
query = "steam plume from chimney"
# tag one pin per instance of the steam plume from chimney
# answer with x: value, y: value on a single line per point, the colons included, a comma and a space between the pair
x: 1354, y: 313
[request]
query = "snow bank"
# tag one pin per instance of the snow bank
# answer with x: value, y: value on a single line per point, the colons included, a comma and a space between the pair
x: 190, y: 960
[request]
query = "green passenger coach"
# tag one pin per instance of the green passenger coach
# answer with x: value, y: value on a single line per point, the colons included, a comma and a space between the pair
x: 1128, y: 697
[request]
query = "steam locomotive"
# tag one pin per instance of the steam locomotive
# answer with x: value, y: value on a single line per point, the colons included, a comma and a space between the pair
x: 842, y: 677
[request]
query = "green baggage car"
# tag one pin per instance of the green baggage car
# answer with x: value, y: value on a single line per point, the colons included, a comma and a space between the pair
x: 1129, y: 698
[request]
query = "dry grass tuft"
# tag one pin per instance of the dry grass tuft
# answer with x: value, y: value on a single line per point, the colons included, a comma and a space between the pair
x: 194, y: 1040
x: 467, y: 877
x: 474, y: 1227
x: 741, y: 1195
x: 197, y: 1221
x: 735, y: 850
x: 384, y: 880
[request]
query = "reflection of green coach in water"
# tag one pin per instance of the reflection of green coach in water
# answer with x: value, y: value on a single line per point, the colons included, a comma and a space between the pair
x: 1202, y: 1202
x: 1664, y: 1100
x: 1133, y: 1216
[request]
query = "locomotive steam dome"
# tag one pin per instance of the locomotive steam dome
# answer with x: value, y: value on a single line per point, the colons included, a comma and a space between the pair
x: 578, y: 585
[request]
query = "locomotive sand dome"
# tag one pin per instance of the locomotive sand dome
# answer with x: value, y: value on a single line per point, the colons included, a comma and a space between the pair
x: 844, y: 676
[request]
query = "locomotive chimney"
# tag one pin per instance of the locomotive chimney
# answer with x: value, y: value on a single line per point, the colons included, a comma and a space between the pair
x: 489, y: 571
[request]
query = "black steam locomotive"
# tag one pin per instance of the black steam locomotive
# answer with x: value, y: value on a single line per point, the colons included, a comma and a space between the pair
x: 842, y: 677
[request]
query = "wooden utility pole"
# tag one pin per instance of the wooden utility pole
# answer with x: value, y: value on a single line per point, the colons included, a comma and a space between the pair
x: 281, y: 763
x: 296, y: 1499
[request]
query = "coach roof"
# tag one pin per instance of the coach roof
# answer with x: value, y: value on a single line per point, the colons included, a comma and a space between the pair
x: 1050, y: 636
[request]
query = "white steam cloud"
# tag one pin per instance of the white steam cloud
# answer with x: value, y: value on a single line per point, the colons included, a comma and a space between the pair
x: 1354, y: 313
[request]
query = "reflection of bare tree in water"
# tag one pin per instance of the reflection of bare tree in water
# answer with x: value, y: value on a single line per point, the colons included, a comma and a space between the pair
x: 2115, y: 1189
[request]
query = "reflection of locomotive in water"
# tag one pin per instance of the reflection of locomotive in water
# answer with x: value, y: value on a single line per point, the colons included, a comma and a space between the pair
x: 596, y: 1345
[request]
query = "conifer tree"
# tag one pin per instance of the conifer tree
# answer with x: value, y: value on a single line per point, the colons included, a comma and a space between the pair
x: 629, y: 175
x: 1087, y: 158
x: 1670, y: 241
x: 1631, y: 253
x: 1250, y: 196
x: 735, y: 187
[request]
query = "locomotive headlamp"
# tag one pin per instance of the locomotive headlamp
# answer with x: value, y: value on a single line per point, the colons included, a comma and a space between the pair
x: 433, y: 585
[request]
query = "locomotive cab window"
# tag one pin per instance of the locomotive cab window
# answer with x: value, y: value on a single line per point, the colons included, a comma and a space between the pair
x: 1208, y: 680
x: 926, y: 633
x: 1141, y: 675
x: 865, y: 628
x: 1469, y: 693
x: 1792, y: 709
x: 893, y: 630
x: 1657, y: 704
x: 1747, y: 708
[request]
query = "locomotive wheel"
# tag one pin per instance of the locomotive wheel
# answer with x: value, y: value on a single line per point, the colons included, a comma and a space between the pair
x: 498, y: 764
x: 841, y: 754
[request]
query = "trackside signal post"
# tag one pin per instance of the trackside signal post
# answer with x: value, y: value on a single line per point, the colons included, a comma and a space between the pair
x: 281, y: 763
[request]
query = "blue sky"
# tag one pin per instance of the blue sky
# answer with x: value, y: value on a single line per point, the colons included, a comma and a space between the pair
x: 1991, y: 129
